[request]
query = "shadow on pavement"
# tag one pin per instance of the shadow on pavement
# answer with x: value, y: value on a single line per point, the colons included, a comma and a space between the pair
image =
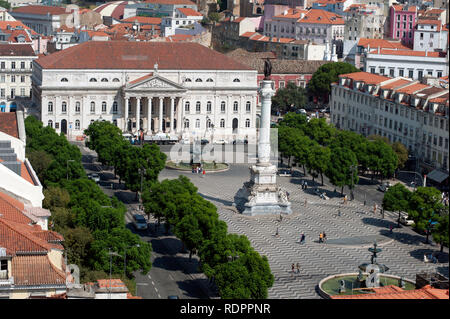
x: 191, y: 288
x: 443, y: 270
x: 225, y: 202
x: 441, y: 257
x: 385, y: 223
x: 170, y: 262
x: 404, y: 238
x: 160, y: 246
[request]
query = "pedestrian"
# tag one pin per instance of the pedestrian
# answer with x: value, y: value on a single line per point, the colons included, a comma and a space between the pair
x: 298, y: 268
x: 345, y: 199
x: 303, y: 184
x: 390, y: 229
x: 306, y: 201
x: 281, y: 218
x: 339, y: 212
x: 293, y: 268
x: 320, y: 238
x: 375, y: 209
x: 287, y: 195
x: 302, y: 239
x: 276, y: 234
x: 203, y: 174
x: 306, y: 185
x: 324, y: 239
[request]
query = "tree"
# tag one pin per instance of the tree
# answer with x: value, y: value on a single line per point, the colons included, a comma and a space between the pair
x: 77, y: 243
x: 214, y: 16
x: 424, y: 208
x: 355, y: 142
x: 5, y: 4
x: 290, y: 98
x: 56, y: 197
x: 440, y: 232
x: 302, y: 146
x: 396, y: 199
x: 40, y: 161
x: 294, y: 120
x: 320, y: 83
x: 187, y: 230
x: 339, y: 169
x: 381, y: 158
x: 287, y: 136
x: 319, y: 131
x: 318, y: 159
x: 402, y: 153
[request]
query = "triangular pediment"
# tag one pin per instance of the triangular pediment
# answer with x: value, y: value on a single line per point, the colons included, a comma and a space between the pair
x: 153, y: 82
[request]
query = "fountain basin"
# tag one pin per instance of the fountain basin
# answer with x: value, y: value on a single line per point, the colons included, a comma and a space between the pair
x: 329, y: 286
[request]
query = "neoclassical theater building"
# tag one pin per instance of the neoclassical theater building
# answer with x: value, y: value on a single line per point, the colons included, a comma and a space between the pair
x: 182, y: 89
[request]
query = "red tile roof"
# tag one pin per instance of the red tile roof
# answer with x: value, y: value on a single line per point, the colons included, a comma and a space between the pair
x: 189, y: 12
x: 142, y: 78
x: 366, y: 77
x: 318, y: 16
x: 36, y: 270
x: 410, y: 89
x: 14, y: 24
x: 381, y: 43
x: 11, y: 209
x: 395, y: 84
x: 113, y: 283
x: 42, y: 10
x: 393, y: 292
x: 178, y: 37
x: 25, y: 173
x: 16, y: 50
x: 292, y: 14
x: 8, y: 124
x: 139, y: 55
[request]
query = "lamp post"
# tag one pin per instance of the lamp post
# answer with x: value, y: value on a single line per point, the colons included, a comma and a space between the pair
x: 67, y: 168
x: 111, y: 253
x: 352, y: 169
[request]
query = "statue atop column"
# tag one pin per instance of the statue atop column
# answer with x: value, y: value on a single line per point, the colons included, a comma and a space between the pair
x: 267, y: 69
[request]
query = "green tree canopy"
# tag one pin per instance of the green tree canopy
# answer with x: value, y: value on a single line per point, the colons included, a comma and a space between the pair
x: 294, y: 120
x: 396, y: 199
x: 339, y: 169
x: 402, y: 153
x: 289, y: 99
x: 318, y: 159
x: 440, y: 231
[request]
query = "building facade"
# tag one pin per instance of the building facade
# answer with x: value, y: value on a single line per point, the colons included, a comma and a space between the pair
x: 403, y: 20
x: 430, y: 35
x: 403, y: 110
x: 182, y: 89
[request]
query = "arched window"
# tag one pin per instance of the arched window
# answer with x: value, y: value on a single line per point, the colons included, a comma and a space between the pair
x: 103, y: 107
x: 222, y: 123
x: 114, y: 107
x: 236, y: 80
x: 116, y: 80
x: 77, y: 124
x: 186, y: 124
x: 92, y: 121
x: 187, y: 106
x: 197, y: 123
x: 198, y: 107
x: 208, y: 123
x: 64, y: 107
x: 248, y: 107
x: 209, y: 80
x: 50, y: 107
x: 198, y: 80
x: 222, y: 106
x: 208, y: 106
x: 92, y: 107
x: 92, y: 80
x: 235, y: 106
x: 247, y: 123
x: 187, y: 80
x: 77, y: 107
x: 50, y: 123
x: 104, y: 80
x: 64, y: 80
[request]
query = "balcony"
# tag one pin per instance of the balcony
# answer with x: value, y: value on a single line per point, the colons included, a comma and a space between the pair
x: 9, y: 70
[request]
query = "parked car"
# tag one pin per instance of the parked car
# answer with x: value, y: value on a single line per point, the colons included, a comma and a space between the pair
x: 325, y: 110
x: 284, y: 172
x: 301, y: 111
x: 139, y: 222
x: 245, y: 141
x: 204, y: 142
x: 384, y: 187
x: 220, y: 141
x: 404, y: 219
x: 172, y: 297
x: 95, y: 177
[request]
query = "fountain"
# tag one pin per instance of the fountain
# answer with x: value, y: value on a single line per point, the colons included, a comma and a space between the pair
x: 371, y: 275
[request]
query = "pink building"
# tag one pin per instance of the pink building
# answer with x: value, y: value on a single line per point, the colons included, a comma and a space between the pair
x: 402, y: 23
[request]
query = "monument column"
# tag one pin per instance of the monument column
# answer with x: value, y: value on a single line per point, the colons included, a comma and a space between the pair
x: 172, y: 102
x: 161, y: 105
x: 127, y: 105
x: 266, y: 93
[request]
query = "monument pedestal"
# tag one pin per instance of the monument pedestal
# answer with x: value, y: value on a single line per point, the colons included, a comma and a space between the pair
x: 261, y: 195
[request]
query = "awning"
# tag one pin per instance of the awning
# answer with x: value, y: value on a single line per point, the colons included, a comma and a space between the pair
x: 437, y: 176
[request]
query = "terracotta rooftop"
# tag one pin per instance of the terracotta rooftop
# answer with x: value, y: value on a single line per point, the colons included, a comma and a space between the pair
x: 411, y: 89
x: 11, y: 209
x: 399, y: 7
x: 381, y: 43
x: 393, y: 292
x: 189, y: 12
x: 441, y: 99
x: 36, y: 270
x: 139, y: 55
x: 318, y: 16
x: 366, y: 77
x: 42, y: 10
x: 8, y: 123
x: 292, y: 14
x: 395, y: 84
x: 16, y: 50
x: 142, y: 78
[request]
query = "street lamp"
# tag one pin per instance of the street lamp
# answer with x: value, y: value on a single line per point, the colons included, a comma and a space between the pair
x: 352, y: 169
x: 111, y: 253
x: 67, y: 168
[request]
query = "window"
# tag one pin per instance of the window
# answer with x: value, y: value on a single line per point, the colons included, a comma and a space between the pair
x: 77, y: 107
x: 208, y: 106
x: 50, y: 123
x: 103, y: 107
x: 420, y: 74
x: 50, y: 107
x: 410, y: 74
x: 64, y: 107
x: 382, y: 71
x: 13, y: 65
x: 186, y: 124
x: 92, y: 80
x: 222, y: 107
x: 281, y: 84
x: 197, y: 123
x: 187, y: 80
x: 248, y: 107
x: 116, y: 80
x: 235, y: 106
x: 186, y: 106
x: 222, y: 123
x: 391, y: 72
x: 197, y: 107
x: 236, y: 80
x: 439, y: 74
x: 64, y: 80
x: 104, y: 80
x: 247, y: 123
x: 22, y: 91
x: 92, y: 107
x: 209, y: 80
x: 2, y: 65
x: 114, y: 107
x: 77, y: 124
x: 13, y: 78
x: 198, y: 80
x: 401, y: 72
x: 372, y: 70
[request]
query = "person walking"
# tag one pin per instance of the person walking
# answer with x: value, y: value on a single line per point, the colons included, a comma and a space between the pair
x: 324, y: 237
x: 306, y: 202
x: 306, y: 185
x: 302, y: 239
x: 320, y: 238
x: 303, y: 184
x: 390, y: 229
x: 293, y: 268
x: 375, y: 209
x: 281, y: 218
x: 203, y: 173
x: 298, y: 268
x: 277, y: 234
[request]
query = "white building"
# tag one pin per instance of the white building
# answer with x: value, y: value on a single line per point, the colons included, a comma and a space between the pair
x: 403, y: 110
x: 411, y: 64
x: 180, y: 18
x: 184, y: 89
x: 5, y: 16
x: 42, y: 19
x: 15, y: 75
x: 430, y: 35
